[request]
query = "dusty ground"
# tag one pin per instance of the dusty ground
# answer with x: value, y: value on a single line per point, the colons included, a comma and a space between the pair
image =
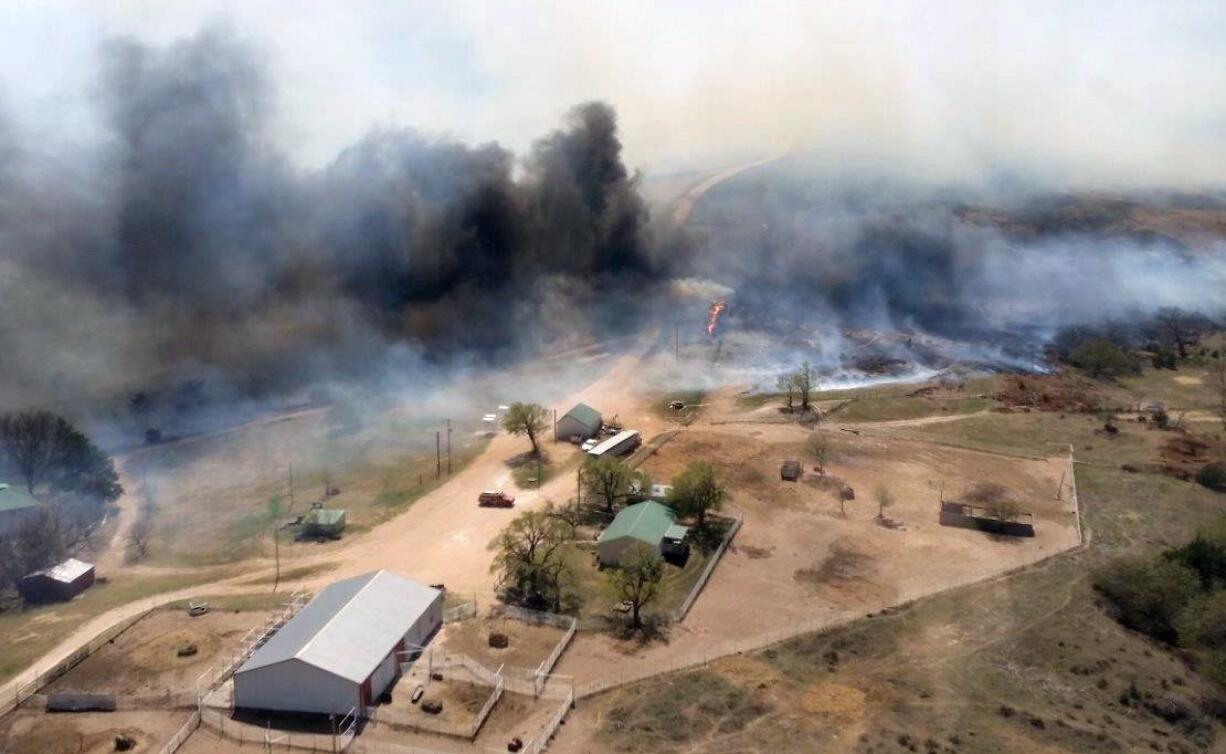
x: 799, y: 561
x: 142, y: 662
x: 30, y: 730
x: 529, y: 646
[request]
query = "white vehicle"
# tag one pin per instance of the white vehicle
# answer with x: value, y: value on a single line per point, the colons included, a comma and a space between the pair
x: 589, y: 444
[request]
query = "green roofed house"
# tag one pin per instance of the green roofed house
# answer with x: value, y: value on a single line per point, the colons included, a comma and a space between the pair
x: 580, y: 423
x: 323, y: 522
x: 15, y: 506
x: 652, y: 524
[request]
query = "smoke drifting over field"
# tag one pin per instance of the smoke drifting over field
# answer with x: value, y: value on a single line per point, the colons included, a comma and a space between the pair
x: 812, y: 256
x: 189, y: 246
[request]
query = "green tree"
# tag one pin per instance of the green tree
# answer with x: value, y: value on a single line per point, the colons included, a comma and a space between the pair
x: 1100, y: 358
x: 80, y: 466
x: 638, y: 579
x: 1205, y: 554
x: 697, y: 491
x: 530, y: 558
x: 1213, y: 476
x: 1148, y: 594
x: 529, y: 419
x: 608, y: 482
x: 1203, y: 622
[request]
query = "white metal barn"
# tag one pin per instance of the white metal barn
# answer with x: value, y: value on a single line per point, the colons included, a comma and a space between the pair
x: 340, y: 652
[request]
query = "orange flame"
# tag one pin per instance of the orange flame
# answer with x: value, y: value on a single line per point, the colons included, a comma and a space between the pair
x: 717, y: 308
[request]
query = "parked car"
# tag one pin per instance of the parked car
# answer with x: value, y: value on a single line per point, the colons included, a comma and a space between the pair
x: 589, y: 444
x: 495, y: 499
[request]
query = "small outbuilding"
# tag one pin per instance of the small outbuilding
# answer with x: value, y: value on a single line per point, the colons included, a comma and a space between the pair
x: 648, y: 522
x: 59, y: 583
x: 344, y: 649
x: 321, y: 522
x: 16, y: 505
x: 580, y: 423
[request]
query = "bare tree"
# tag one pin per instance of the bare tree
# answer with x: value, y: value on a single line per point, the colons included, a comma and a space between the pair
x: 638, y: 579
x: 39, y: 541
x: 138, y: 540
x: 817, y: 446
x: 884, y: 499
x: 1180, y: 328
x: 806, y: 383
x: 787, y: 385
x: 529, y: 419
x: 29, y: 439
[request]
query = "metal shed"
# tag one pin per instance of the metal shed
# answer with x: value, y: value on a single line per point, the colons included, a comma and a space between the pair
x: 323, y: 522
x: 60, y: 582
x: 650, y: 523
x: 580, y: 423
x: 343, y: 650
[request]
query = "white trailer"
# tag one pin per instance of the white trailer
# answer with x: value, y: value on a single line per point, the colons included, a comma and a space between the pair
x: 619, y: 444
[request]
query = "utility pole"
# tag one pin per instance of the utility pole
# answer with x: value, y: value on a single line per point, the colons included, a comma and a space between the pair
x: 579, y: 485
x: 448, y: 447
x: 438, y: 455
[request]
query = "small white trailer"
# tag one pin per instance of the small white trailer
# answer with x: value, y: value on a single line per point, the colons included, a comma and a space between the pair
x: 617, y: 445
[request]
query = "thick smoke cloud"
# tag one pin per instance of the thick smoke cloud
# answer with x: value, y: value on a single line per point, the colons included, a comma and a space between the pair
x: 188, y: 246
x: 834, y: 253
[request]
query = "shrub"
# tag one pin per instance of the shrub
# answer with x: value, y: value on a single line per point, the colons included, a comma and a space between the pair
x: 1213, y: 476
x: 1101, y: 358
x: 1148, y: 594
x: 1203, y: 622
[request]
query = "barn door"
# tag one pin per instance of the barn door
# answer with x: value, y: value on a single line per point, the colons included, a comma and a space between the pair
x: 364, y: 694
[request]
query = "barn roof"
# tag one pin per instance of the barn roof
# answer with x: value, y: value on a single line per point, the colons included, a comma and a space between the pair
x: 14, y: 497
x: 66, y: 572
x: 350, y: 626
x: 585, y: 415
x: 647, y: 522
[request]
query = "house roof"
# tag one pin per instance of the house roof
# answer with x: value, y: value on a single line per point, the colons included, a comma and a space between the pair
x: 14, y: 497
x: 647, y: 522
x: 585, y: 415
x: 67, y: 572
x: 350, y: 626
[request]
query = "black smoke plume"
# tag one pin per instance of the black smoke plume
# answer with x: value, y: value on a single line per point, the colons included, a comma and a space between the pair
x: 187, y: 248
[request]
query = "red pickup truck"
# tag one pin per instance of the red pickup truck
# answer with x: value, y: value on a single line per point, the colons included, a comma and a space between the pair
x: 495, y: 499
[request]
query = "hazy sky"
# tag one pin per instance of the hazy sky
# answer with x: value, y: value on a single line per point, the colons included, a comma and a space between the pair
x: 1085, y: 93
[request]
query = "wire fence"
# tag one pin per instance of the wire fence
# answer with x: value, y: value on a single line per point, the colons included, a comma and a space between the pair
x: 177, y: 740
x: 463, y: 611
x: 23, y: 691
x: 684, y: 609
